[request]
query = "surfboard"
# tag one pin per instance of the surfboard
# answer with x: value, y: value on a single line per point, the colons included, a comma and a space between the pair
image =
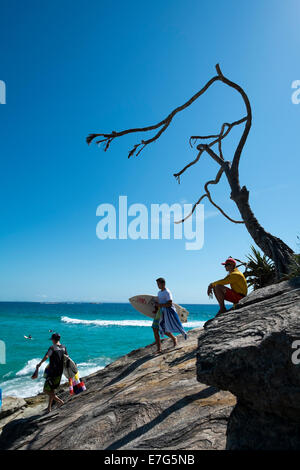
x: 70, y: 367
x: 145, y: 304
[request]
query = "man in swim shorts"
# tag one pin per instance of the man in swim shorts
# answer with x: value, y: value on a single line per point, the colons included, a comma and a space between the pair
x: 54, y: 370
x: 238, y: 286
x: 166, y: 320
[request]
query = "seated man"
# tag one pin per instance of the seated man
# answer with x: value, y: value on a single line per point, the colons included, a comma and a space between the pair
x: 237, y: 282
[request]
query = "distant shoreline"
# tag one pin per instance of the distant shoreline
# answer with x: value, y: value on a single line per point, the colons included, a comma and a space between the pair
x: 70, y: 302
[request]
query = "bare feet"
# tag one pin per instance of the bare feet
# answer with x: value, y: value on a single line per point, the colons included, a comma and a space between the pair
x: 222, y: 310
x: 159, y: 351
x: 175, y: 341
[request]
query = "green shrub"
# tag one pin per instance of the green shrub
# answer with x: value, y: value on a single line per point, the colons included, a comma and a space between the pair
x: 260, y: 270
x: 294, y: 270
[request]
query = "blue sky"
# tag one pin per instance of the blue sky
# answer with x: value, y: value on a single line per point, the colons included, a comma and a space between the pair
x: 74, y: 67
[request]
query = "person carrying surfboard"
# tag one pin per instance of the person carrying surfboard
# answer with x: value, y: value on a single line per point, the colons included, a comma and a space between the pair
x: 166, y: 320
x: 237, y: 282
x: 54, y: 370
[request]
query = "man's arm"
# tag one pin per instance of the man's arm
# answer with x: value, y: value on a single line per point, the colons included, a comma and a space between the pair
x: 43, y: 360
x: 221, y: 282
x: 36, y: 373
x: 167, y: 304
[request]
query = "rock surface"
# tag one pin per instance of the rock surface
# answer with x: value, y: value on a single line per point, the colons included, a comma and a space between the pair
x: 248, y: 351
x: 140, y: 401
x: 13, y: 408
x: 10, y: 405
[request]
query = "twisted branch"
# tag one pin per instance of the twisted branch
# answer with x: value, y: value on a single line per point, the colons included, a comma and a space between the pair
x: 164, y: 124
x: 238, y: 151
x: 218, y: 177
x: 231, y: 170
x: 208, y: 195
x: 217, y: 140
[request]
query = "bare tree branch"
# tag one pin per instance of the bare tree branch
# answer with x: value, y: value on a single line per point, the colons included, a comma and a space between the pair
x: 192, y: 211
x: 164, y: 124
x: 193, y: 162
x: 238, y: 152
x: 208, y: 195
x: 217, y: 136
x: 215, y: 181
x: 213, y: 154
x: 217, y: 140
x: 272, y: 246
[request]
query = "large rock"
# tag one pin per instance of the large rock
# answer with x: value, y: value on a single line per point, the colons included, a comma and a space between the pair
x: 10, y: 405
x: 248, y: 351
x: 14, y: 408
x: 140, y: 401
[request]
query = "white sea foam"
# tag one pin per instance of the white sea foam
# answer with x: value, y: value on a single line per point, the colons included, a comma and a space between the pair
x: 194, y: 324
x: 23, y: 386
x: 5, y: 376
x: 86, y: 368
x: 77, y: 321
x: 30, y: 367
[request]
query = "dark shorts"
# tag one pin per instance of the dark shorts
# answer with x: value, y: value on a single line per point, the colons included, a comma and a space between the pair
x: 233, y: 296
x: 51, y: 383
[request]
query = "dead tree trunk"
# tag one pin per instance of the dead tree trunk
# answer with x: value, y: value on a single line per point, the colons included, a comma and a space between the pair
x: 272, y: 246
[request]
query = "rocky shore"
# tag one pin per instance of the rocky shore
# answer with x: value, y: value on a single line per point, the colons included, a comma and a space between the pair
x: 248, y: 351
x: 246, y: 397
x: 140, y: 401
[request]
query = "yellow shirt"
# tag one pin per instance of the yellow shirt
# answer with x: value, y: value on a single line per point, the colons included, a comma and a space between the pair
x: 237, y: 282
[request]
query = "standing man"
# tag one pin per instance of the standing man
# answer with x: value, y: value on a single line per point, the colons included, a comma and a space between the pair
x: 54, y: 370
x: 166, y: 320
x: 237, y: 282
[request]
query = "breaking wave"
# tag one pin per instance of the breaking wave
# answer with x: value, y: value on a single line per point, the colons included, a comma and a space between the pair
x: 77, y: 321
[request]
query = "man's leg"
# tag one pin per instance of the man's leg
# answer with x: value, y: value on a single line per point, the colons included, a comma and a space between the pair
x: 59, y: 400
x: 219, y: 292
x: 51, y: 397
x: 173, y: 338
x: 157, y: 339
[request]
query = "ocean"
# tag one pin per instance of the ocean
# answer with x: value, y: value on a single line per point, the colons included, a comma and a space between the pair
x: 94, y: 334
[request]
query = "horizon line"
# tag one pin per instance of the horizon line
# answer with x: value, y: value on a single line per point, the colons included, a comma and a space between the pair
x: 84, y: 302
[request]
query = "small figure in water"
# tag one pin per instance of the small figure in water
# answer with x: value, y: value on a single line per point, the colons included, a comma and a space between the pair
x: 237, y: 282
x: 28, y: 337
x: 54, y: 370
x: 166, y: 320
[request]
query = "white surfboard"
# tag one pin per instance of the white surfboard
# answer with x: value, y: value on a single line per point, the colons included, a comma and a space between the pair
x: 145, y: 304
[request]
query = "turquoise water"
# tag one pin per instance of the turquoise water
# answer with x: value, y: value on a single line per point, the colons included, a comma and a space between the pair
x: 94, y: 334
